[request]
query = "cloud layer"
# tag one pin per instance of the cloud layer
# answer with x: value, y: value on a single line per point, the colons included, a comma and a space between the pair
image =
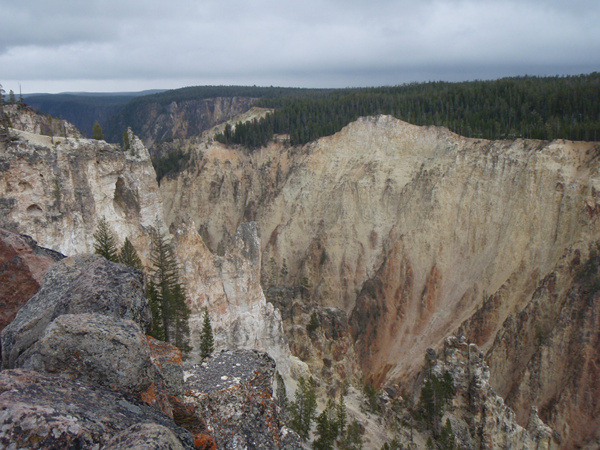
x: 139, y: 44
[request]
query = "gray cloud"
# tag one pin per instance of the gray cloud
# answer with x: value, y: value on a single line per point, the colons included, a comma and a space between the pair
x: 132, y: 43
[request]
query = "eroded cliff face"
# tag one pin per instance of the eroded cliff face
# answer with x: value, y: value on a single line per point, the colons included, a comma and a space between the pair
x: 23, y: 118
x: 409, y: 230
x: 56, y: 189
x: 155, y: 122
x: 229, y: 288
x: 547, y: 353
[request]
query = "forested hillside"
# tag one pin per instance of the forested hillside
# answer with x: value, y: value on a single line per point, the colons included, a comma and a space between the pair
x: 82, y: 109
x: 528, y: 107
x: 139, y: 110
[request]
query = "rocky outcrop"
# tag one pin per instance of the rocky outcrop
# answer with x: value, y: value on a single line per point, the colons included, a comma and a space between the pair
x: 76, y: 285
x: 22, y: 266
x: 57, y: 189
x: 477, y: 414
x: 546, y: 354
x: 235, y: 391
x: 23, y: 118
x: 48, y: 411
x: 144, y: 435
x: 318, y: 336
x: 229, y: 286
x: 84, y: 326
x: 167, y: 359
x: 102, y: 350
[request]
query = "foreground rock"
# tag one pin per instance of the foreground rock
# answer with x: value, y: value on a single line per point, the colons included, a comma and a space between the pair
x: 22, y: 266
x: 76, y: 285
x: 47, y: 411
x: 145, y: 435
x: 234, y: 389
x: 99, y: 349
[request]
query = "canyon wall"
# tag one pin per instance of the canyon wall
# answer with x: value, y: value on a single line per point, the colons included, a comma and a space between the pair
x: 56, y: 189
x: 414, y: 232
x: 155, y: 122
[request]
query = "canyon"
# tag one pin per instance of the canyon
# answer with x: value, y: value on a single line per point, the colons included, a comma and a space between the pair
x: 392, y: 236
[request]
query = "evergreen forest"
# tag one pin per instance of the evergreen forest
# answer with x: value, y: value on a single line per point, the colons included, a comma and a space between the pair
x: 565, y: 107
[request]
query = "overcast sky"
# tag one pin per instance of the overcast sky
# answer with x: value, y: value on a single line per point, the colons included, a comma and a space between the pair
x: 131, y: 45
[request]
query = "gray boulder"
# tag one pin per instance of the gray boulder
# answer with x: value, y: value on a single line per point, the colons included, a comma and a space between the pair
x: 167, y: 360
x: 76, y: 285
x: 99, y: 349
x: 48, y: 411
x: 144, y: 436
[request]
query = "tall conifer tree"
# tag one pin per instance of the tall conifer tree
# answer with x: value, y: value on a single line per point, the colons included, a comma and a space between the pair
x: 129, y: 256
x: 105, y: 244
x: 168, y: 294
x: 207, y: 343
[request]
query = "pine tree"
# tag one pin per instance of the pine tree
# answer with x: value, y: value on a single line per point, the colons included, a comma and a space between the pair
x: 169, y: 294
x: 157, y: 331
x: 353, y: 437
x: 3, y: 117
x: 105, y: 244
x: 97, y: 131
x: 341, y: 414
x: 126, y: 143
x: 207, y: 343
x: 303, y: 408
x: 281, y: 394
x: 129, y: 256
x: 327, y: 428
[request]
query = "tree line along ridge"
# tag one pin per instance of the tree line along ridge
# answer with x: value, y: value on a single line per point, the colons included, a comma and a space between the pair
x: 546, y: 108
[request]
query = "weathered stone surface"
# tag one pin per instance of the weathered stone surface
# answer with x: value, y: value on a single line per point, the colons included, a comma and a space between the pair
x: 56, y: 189
x: 145, y: 436
x: 166, y: 390
x: 427, y: 221
x: 76, y: 285
x: 233, y: 389
x: 546, y: 354
x: 327, y: 349
x: 95, y: 348
x: 478, y: 414
x: 22, y: 266
x: 48, y: 411
x: 229, y: 286
x: 24, y: 118
x: 167, y: 359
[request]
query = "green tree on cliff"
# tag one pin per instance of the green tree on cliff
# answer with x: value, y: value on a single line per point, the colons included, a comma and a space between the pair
x: 97, y: 131
x: 126, y: 143
x: 303, y: 408
x: 207, y: 343
x: 105, y: 244
x: 167, y: 295
x: 129, y: 256
x: 3, y: 118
